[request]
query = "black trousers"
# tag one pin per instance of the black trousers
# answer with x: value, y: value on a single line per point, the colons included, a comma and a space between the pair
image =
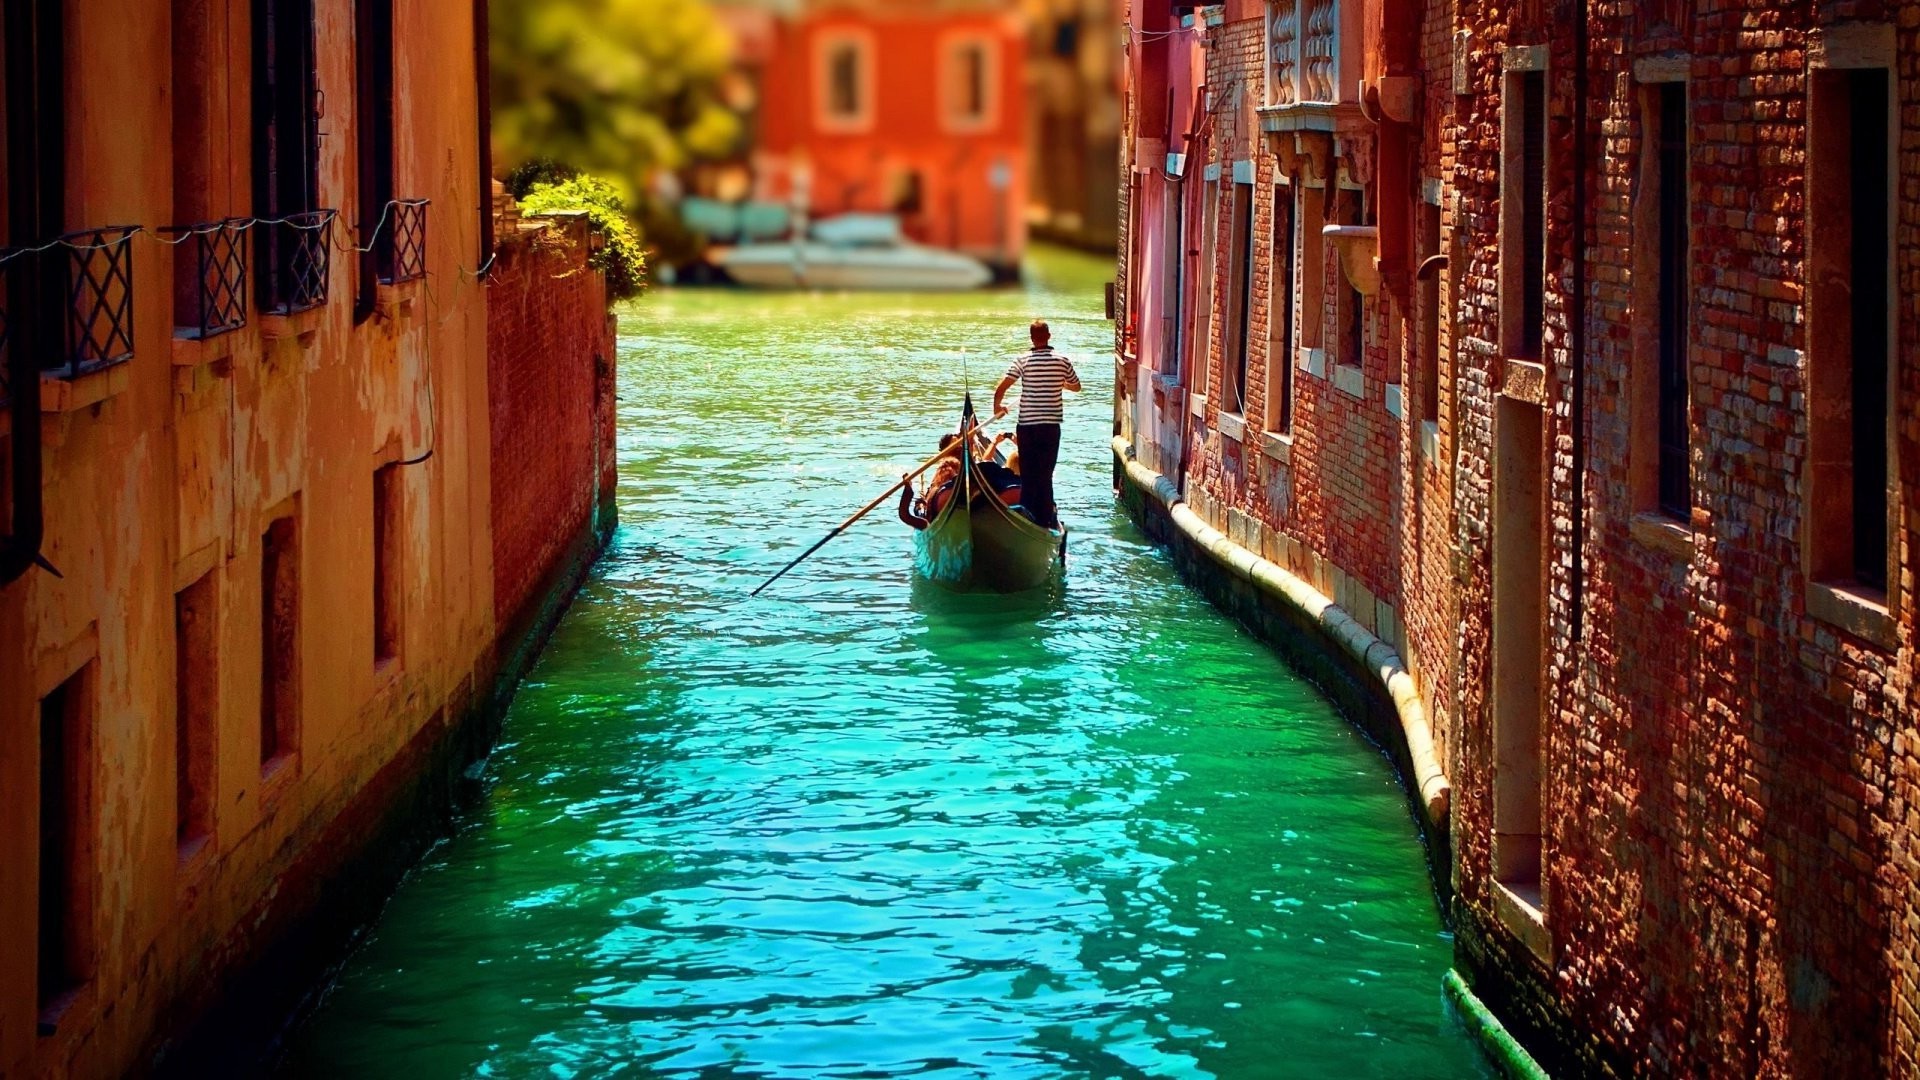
x: 1039, y: 452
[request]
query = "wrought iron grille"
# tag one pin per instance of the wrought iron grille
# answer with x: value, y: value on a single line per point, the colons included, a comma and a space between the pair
x: 403, y: 245
x: 213, y: 299
x: 295, y: 259
x: 99, y: 300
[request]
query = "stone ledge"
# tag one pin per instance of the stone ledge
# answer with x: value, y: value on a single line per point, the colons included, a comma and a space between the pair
x: 1387, y: 673
x: 1277, y: 446
x: 1662, y: 533
x: 1232, y: 425
x: 1863, y: 616
x: 1351, y: 381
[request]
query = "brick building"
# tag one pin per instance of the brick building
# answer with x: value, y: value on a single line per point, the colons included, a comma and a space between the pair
x: 260, y: 601
x: 1552, y: 367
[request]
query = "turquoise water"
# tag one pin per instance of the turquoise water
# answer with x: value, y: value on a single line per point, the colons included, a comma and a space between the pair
x: 860, y: 827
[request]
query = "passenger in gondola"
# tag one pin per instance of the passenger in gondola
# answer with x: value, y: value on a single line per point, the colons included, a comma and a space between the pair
x: 920, y: 510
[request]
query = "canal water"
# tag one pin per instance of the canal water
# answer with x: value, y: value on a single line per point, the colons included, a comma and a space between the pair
x: 861, y: 827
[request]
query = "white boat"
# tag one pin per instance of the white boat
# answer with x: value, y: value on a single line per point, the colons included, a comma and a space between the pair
x: 853, y: 251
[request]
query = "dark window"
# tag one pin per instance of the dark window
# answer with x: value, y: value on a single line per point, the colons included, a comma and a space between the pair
x: 1176, y: 278
x: 1429, y: 344
x: 286, y: 141
x: 1533, y: 212
x: 36, y: 140
x: 1066, y: 38
x: 388, y: 597
x: 1868, y: 164
x: 1234, y: 397
x: 65, y: 914
x: 973, y: 82
x: 1280, y: 293
x: 843, y: 81
x: 1676, y: 490
x: 373, y: 129
x: 1352, y: 306
x: 279, y: 639
x: 196, y: 682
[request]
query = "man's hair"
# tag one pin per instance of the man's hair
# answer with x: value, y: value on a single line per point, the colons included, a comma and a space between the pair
x: 1038, y: 331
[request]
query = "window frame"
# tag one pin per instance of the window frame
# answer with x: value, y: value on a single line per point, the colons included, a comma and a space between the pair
x: 827, y: 46
x: 954, y: 116
x: 1836, y: 593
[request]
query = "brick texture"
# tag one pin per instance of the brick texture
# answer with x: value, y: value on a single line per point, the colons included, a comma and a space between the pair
x: 1731, y: 778
x: 550, y: 355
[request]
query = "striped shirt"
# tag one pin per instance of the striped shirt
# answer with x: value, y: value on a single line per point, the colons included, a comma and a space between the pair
x: 1042, y: 374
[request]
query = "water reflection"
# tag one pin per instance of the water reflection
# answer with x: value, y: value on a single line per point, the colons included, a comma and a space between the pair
x: 864, y: 826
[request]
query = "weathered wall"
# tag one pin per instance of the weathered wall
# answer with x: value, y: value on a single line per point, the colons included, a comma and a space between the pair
x: 1729, y: 873
x: 166, y: 471
x: 550, y: 372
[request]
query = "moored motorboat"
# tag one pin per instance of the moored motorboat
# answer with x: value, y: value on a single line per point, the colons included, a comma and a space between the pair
x: 854, y: 252
x: 979, y: 543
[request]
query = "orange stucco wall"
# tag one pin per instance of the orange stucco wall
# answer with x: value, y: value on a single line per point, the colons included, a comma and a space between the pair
x: 973, y: 176
x: 176, y: 471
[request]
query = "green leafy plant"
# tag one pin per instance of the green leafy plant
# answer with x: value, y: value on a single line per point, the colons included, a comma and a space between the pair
x: 622, y: 258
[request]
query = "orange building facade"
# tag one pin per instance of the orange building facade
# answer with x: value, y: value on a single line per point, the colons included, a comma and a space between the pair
x: 910, y: 108
x: 247, y: 611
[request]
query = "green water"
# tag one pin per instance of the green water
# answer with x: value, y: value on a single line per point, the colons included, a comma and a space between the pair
x: 859, y: 827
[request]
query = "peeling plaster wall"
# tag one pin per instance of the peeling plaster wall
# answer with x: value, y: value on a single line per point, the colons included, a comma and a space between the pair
x: 176, y: 472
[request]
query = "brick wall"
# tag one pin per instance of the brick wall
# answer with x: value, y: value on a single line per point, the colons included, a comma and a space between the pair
x: 550, y: 406
x: 1731, y: 771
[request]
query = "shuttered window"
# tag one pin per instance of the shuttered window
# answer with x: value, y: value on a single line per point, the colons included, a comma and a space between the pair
x: 1676, y: 495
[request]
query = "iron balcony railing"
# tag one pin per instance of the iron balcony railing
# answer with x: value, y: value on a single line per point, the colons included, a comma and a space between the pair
x: 295, y: 259
x: 402, y: 246
x: 99, y: 300
x: 211, y: 277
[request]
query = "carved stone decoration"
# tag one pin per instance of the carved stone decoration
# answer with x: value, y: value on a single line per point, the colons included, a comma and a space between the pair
x: 1318, y: 48
x: 1283, y: 58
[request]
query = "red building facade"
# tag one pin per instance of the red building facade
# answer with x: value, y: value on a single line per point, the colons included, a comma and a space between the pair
x: 1556, y: 364
x: 899, y: 107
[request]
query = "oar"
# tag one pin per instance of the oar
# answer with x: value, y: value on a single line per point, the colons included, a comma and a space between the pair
x: 867, y: 509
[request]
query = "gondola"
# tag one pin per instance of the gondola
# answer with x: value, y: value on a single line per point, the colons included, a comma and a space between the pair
x: 977, y: 543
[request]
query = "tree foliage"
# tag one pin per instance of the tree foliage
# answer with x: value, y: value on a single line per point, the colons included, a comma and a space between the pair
x: 621, y: 257
x: 613, y: 88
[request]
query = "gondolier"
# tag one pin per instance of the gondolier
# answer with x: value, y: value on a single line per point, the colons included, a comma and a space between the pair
x: 1042, y: 374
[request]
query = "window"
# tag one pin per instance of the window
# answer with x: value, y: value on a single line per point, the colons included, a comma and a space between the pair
x: 1201, y: 340
x: 279, y: 642
x: 65, y: 955
x: 36, y: 210
x: 196, y: 695
x: 1523, y: 214
x: 1280, y: 315
x: 1233, y: 392
x: 969, y: 84
x: 286, y: 151
x: 1676, y: 489
x: 373, y: 139
x: 209, y: 277
x: 1350, y: 306
x: 1175, y: 280
x: 844, y: 77
x: 1519, y: 628
x: 1428, y: 388
x: 1849, y: 324
x: 389, y: 597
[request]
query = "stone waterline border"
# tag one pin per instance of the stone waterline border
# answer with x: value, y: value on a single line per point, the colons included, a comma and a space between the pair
x: 1376, y: 661
x: 1363, y: 674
